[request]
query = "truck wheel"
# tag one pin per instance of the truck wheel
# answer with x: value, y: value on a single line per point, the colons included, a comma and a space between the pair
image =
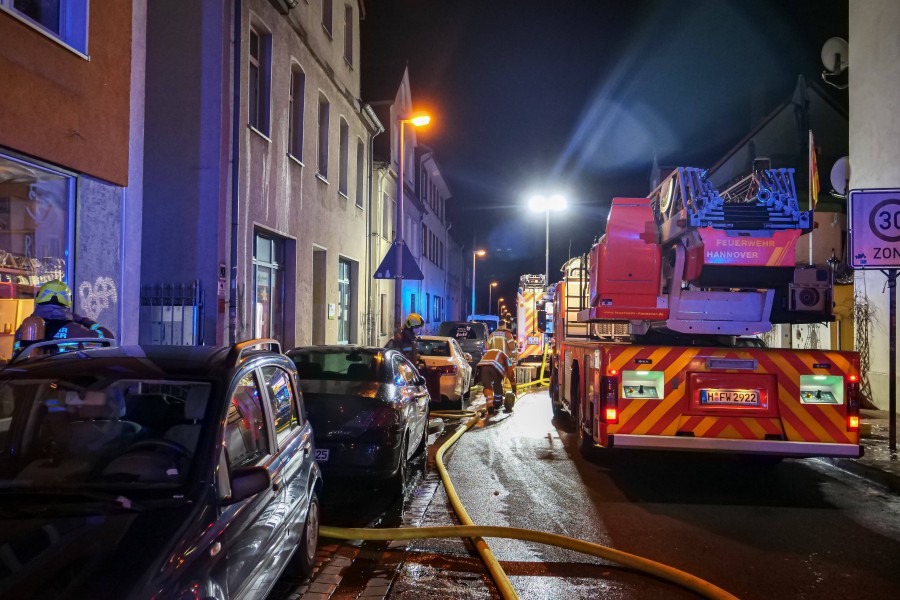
x: 585, y: 441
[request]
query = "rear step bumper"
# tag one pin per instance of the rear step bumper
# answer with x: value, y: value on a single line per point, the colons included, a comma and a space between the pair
x: 699, y: 444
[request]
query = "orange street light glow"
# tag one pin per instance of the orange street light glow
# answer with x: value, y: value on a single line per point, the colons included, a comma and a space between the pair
x: 421, y: 120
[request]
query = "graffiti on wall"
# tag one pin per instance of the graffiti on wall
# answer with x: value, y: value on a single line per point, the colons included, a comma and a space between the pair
x: 96, y: 297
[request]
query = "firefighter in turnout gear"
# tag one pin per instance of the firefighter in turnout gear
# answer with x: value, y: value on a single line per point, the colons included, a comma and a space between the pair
x: 405, y: 338
x: 497, y: 364
x: 53, y: 319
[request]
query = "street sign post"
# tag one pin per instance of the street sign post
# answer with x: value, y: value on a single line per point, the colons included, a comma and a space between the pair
x: 875, y: 244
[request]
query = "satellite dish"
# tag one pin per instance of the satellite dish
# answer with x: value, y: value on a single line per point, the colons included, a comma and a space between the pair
x: 840, y: 175
x: 835, y: 55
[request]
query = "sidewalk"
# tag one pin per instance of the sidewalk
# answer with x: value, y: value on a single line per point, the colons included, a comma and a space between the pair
x: 878, y: 464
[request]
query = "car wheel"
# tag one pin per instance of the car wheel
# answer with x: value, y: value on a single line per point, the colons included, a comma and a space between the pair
x: 306, y: 548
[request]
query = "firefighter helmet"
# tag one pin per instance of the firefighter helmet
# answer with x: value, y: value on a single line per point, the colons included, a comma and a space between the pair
x: 414, y: 320
x: 56, y: 292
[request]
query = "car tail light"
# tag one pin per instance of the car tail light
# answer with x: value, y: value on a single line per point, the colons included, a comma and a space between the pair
x: 445, y: 370
x: 853, y: 403
x: 610, y: 387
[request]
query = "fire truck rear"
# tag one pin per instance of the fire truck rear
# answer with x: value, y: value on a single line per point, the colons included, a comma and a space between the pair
x: 647, y: 322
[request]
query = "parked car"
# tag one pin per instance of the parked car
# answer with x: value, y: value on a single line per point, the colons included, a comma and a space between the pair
x: 368, y: 407
x: 164, y: 472
x: 471, y: 336
x: 492, y: 321
x: 445, y: 358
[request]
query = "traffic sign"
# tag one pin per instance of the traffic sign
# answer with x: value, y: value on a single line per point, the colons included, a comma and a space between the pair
x: 388, y: 267
x: 875, y: 229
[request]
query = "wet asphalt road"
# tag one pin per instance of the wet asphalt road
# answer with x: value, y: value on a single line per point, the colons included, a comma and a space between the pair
x: 801, y: 529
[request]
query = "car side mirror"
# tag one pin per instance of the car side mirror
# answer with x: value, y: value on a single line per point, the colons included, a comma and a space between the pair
x: 248, y: 481
x: 467, y: 357
x: 419, y: 380
x: 542, y: 320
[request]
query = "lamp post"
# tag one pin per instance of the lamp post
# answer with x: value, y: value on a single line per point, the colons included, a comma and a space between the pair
x: 545, y: 204
x: 398, y: 279
x: 499, y: 304
x: 475, y: 254
x: 490, y: 288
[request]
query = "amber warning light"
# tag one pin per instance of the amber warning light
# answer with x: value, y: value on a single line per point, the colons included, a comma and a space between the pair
x: 611, y: 415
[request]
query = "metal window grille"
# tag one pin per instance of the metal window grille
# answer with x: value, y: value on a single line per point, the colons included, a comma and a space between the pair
x: 172, y: 314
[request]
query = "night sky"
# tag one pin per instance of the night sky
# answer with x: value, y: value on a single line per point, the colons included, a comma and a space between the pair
x: 579, y: 96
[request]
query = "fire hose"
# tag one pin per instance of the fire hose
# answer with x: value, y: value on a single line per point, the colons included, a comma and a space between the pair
x: 477, y: 533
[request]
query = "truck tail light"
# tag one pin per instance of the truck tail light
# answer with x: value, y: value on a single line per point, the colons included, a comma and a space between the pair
x: 611, y: 399
x: 853, y: 403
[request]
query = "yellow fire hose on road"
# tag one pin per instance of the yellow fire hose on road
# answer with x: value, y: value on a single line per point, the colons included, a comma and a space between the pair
x: 477, y: 533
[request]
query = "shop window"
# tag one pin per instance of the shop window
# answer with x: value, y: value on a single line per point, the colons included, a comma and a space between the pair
x: 63, y: 20
x: 35, y: 207
x: 345, y: 301
x: 268, y: 287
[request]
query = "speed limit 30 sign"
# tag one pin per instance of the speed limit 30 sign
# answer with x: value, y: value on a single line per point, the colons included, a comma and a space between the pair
x: 875, y: 229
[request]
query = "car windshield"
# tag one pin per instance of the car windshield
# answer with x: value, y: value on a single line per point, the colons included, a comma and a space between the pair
x: 433, y: 347
x: 130, y: 434
x: 337, y: 365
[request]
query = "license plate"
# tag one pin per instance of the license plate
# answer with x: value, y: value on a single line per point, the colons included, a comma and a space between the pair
x: 322, y: 454
x: 730, y: 397
x: 533, y: 340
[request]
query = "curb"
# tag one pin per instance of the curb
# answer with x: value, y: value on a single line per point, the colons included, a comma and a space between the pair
x: 868, y: 472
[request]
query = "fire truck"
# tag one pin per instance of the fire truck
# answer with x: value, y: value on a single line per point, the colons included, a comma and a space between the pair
x: 646, y: 344
x: 532, y: 322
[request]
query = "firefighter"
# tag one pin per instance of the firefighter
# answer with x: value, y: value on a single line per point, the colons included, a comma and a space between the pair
x: 405, y: 338
x: 495, y: 366
x: 503, y: 339
x: 53, y: 319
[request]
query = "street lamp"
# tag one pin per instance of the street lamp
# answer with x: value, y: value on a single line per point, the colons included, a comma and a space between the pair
x: 474, y: 254
x: 416, y: 121
x: 499, y: 304
x: 491, y: 287
x: 545, y: 204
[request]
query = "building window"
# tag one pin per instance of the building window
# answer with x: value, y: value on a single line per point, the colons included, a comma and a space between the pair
x: 344, y: 157
x: 360, y: 171
x: 322, y: 156
x: 62, y: 20
x: 298, y: 106
x: 428, y: 308
x: 268, y: 287
x: 437, y: 308
x: 327, y: 17
x: 348, y: 34
x: 424, y: 241
x: 412, y: 303
x: 386, y: 216
x: 35, y: 207
x: 259, y: 81
x: 345, y: 300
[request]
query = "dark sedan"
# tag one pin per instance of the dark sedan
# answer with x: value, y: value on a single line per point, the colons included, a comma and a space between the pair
x: 368, y: 408
x: 155, y: 472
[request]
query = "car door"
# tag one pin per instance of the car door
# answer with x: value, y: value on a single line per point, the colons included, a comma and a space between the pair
x: 253, y: 523
x: 416, y: 390
x: 292, y: 462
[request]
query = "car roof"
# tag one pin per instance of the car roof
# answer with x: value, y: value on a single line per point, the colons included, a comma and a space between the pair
x: 138, y: 362
x: 337, y: 349
x: 440, y: 338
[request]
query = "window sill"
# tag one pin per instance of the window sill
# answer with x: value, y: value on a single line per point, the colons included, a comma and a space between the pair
x: 293, y: 158
x: 348, y: 63
x: 360, y: 207
x: 327, y: 33
x: 343, y: 195
x: 322, y: 178
x: 259, y: 133
x: 52, y: 36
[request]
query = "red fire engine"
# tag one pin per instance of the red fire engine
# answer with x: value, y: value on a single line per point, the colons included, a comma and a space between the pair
x: 648, y: 348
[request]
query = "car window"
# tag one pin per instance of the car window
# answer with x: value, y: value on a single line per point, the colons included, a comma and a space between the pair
x: 131, y: 432
x: 407, y: 372
x: 346, y: 366
x: 246, y: 438
x: 283, y: 401
x: 433, y: 347
x: 464, y: 331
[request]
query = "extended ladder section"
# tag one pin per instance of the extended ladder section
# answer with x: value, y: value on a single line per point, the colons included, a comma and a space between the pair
x: 689, y: 259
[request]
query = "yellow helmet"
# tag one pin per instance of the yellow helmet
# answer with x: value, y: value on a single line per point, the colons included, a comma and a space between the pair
x: 414, y: 320
x: 54, y: 290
